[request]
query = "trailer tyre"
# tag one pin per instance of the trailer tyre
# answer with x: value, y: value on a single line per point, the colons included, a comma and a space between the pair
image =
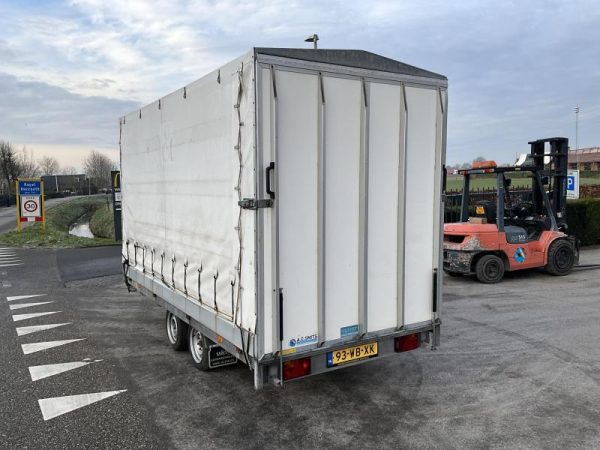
x: 489, y: 269
x: 561, y: 258
x: 177, y: 332
x: 198, y: 345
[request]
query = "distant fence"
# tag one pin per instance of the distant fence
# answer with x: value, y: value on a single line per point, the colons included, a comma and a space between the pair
x: 454, y: 199
x: 517, y: 194
x: 590, y: 190
x: 7, y: 200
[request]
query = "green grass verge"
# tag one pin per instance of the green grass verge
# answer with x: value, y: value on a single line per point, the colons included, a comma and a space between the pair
x: 102, y: 223
x: 58, y: 220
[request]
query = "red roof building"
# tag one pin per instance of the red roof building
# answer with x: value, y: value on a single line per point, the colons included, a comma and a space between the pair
x: 585, y: 159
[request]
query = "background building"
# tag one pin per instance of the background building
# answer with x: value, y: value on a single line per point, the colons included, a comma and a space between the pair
x: 68, y: 184
x: 585, y: 159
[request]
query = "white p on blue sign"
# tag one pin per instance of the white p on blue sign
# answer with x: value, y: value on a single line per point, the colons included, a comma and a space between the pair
x: 573, y: 184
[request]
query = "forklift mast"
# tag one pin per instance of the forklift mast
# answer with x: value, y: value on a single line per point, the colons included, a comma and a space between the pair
x: 552, y: 167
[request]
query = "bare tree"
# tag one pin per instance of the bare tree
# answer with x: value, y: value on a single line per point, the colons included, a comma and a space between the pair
x: 69, y: 170
x: 49, y: 165
x: 9, y: 166
x: 97, y: 167
x: 28, y: 168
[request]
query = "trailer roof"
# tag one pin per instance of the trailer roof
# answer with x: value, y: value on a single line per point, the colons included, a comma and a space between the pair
x: 351, y: 58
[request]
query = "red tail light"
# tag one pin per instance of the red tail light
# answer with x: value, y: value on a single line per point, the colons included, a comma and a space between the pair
x: 296, y: 368
x: 406, y: 343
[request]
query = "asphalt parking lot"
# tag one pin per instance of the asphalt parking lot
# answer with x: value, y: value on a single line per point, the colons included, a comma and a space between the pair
x: 519, y: 367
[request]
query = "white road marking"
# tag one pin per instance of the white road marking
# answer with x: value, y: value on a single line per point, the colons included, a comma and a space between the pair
x: 19, y: 317
x: 57, y: 406
x: 22, y: 331
x: 39, y: 346
x: 6, y: 284
x: 45, y: 371
x: 9, y: 259
x: 11, y: 265
x: 23, y: 297
x: 26, y: 305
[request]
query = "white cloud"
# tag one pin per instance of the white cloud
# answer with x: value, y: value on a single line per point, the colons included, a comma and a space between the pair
x: 516, y: 69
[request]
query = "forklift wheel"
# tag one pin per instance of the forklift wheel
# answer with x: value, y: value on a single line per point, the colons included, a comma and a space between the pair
x: 561, y: 257
x: 489, y: 269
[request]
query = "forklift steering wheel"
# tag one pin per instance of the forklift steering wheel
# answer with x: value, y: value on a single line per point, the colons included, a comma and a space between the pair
x: 523, y: 210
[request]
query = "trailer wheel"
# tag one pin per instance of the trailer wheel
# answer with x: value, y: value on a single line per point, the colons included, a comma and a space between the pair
x: 177, y: 331
x: 198, y: 345
x: 561, y: 258
x: 489, y: 269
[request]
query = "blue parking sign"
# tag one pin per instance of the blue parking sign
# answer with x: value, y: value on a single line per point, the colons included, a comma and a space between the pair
x: 573, y: 184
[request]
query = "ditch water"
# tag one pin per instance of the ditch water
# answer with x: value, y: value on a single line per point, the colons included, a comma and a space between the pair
x: 81, y: 230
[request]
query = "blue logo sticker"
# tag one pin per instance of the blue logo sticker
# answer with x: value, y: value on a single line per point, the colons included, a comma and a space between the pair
x: 350, y: 330
x: 303, y: 340
x: 520, y: 255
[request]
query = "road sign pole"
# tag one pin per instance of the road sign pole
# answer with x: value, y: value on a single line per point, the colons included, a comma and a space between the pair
x: 18, y: 205
x: 116, y: 197
x: 43, y: 204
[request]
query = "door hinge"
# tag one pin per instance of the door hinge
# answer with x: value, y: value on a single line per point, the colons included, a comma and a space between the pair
x: 253, y: 203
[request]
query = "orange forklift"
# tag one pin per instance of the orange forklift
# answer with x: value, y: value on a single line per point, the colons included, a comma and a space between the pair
x: 510, y: 233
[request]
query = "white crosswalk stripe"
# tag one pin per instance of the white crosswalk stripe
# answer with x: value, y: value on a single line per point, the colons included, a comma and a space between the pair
x: 19, y: 317
x: 26, y: 305
x: 57, y: 406
x: 39, y: 346
x: 48, y: 370
x: 22, y: 331
x: 23, y: 297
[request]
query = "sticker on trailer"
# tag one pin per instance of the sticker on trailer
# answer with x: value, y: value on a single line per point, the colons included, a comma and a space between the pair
x: 304, y: 340
x: 350, y: 330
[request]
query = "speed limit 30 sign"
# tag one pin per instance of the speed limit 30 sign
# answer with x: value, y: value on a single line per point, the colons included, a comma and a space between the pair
x: 30, y: 206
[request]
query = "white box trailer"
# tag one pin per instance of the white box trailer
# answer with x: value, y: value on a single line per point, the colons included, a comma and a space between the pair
x: 288, y: 208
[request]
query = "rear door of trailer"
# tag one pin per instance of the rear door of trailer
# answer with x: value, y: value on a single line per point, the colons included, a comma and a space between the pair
x: 352, y: 242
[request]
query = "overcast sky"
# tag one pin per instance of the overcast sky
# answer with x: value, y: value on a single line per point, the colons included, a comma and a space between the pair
x: 516, y: 69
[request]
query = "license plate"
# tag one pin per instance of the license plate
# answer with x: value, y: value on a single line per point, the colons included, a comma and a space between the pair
x: 349, y: 354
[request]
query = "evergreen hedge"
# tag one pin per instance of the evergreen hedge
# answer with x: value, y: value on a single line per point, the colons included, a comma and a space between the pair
x: 583, y: 218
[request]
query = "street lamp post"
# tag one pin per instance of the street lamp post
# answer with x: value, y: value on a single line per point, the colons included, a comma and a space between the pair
x: 577, y: 134
x: 312, y: 38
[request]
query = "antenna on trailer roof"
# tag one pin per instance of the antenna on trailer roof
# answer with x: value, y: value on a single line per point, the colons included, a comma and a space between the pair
x: 312, y: 38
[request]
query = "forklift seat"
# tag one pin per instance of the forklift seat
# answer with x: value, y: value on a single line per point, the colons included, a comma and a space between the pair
x: 486, y: 209
x: 515, y: 235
